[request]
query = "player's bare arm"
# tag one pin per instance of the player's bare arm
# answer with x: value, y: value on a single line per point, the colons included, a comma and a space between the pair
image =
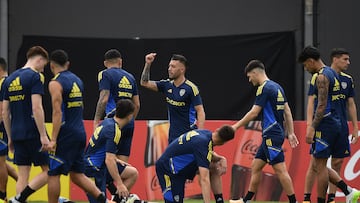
x: 55, y: 91
x: 39, y: 117
x: 145, y: 76
x: 6, y: 119
x: 135, y: 99
x: 111, y: 165
x: 289, y: 124
x: 219, y: 162
x: 101, y: 105
x: 249, y: 116
x: 322, y: 84
x: 353, y: 116
x: 200, y: 112
x: 310, y: 110
x: 205, y: 183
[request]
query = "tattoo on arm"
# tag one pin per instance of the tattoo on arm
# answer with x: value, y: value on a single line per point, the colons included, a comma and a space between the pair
x: 145, y: 76
x: 322, y: 84
x: 100, y: 107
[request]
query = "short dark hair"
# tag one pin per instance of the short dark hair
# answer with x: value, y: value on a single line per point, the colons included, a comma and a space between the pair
x: 3, y: 64
x: 226, y: 133
x: 337, y: 52
x: 254, y: 64
x: 181, y: 59
x: 309, y: 52
x: 112, y: 54
x: 59, y: 56
x: 124, y: 107
x: 37, y: 50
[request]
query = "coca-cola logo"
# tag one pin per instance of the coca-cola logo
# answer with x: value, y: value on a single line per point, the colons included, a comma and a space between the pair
x: 249, y: 147
x: 352, y: 165
x: 155, y: 185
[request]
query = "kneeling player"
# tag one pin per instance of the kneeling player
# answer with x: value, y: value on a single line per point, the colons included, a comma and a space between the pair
x: 101, y: 161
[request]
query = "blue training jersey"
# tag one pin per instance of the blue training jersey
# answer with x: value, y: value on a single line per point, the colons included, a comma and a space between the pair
x: 346, y: 91
x: 2, y: 89
x: 121, y: 84
x: 333, y: 107
x: 3, y: 135
x: 18, y: 88
x: 188, y: 152
x: 271, y: 97
x: 72, y: 106
x: 106, y: 138
x: 181, y: 101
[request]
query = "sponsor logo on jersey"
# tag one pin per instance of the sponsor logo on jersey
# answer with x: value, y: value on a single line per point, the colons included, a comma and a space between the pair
x: 15, y: 85
x: 75, y: 91
x: 125, y: 83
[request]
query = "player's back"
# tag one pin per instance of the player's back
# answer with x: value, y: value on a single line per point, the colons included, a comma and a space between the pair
x: 2, y: 128
x: 18, y: 89
x: 96, y: 150
x: 188, y: 152
x: 120, y: 83
x: 72, y: 106
x: 333, y: 103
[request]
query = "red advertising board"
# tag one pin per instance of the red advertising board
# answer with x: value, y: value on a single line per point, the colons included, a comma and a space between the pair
x: 150, y: 140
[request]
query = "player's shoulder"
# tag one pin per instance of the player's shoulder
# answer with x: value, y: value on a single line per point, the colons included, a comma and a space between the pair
x: 165, y: 82
x: 101, y: 74
x: 264, y: 86
x: 36, y: 75
x: 127, y: 74
x: 190, y: 83
x: 346, y: 75
x: 192, y: 86
x: 201, y: 134
x: 107, y: 125
x: 313, y: 78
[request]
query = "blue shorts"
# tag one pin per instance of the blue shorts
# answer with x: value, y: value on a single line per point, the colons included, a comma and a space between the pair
x: 27, y: 152
x: 124, y: 146
x: 271, y: 150
x: 341, y: 148
x: 120, y: 167
x: 327, y: 134
x: 69, y: 156
x: 3, y: 141
x: 172, y: 186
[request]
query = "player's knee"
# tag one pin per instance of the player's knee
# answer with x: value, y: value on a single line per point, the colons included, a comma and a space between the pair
x: 135, y: 174
x: 336, y: 164
x: 313, y: 168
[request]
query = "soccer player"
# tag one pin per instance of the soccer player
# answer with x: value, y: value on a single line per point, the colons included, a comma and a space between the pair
x: 25, y: 128
x: 185, y: 108
x: 68, y: 138
x: 186, y: 111
x: 102, y: 162
x: 3, y: 136
x: 340, y: 61
x: 324, y: 124
x: 191, y: 152
x: 115, y: 83
x: 271, y: 104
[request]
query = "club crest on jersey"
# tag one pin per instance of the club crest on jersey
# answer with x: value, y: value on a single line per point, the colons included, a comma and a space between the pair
x: 344, y: 85
x: 182, y: 92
